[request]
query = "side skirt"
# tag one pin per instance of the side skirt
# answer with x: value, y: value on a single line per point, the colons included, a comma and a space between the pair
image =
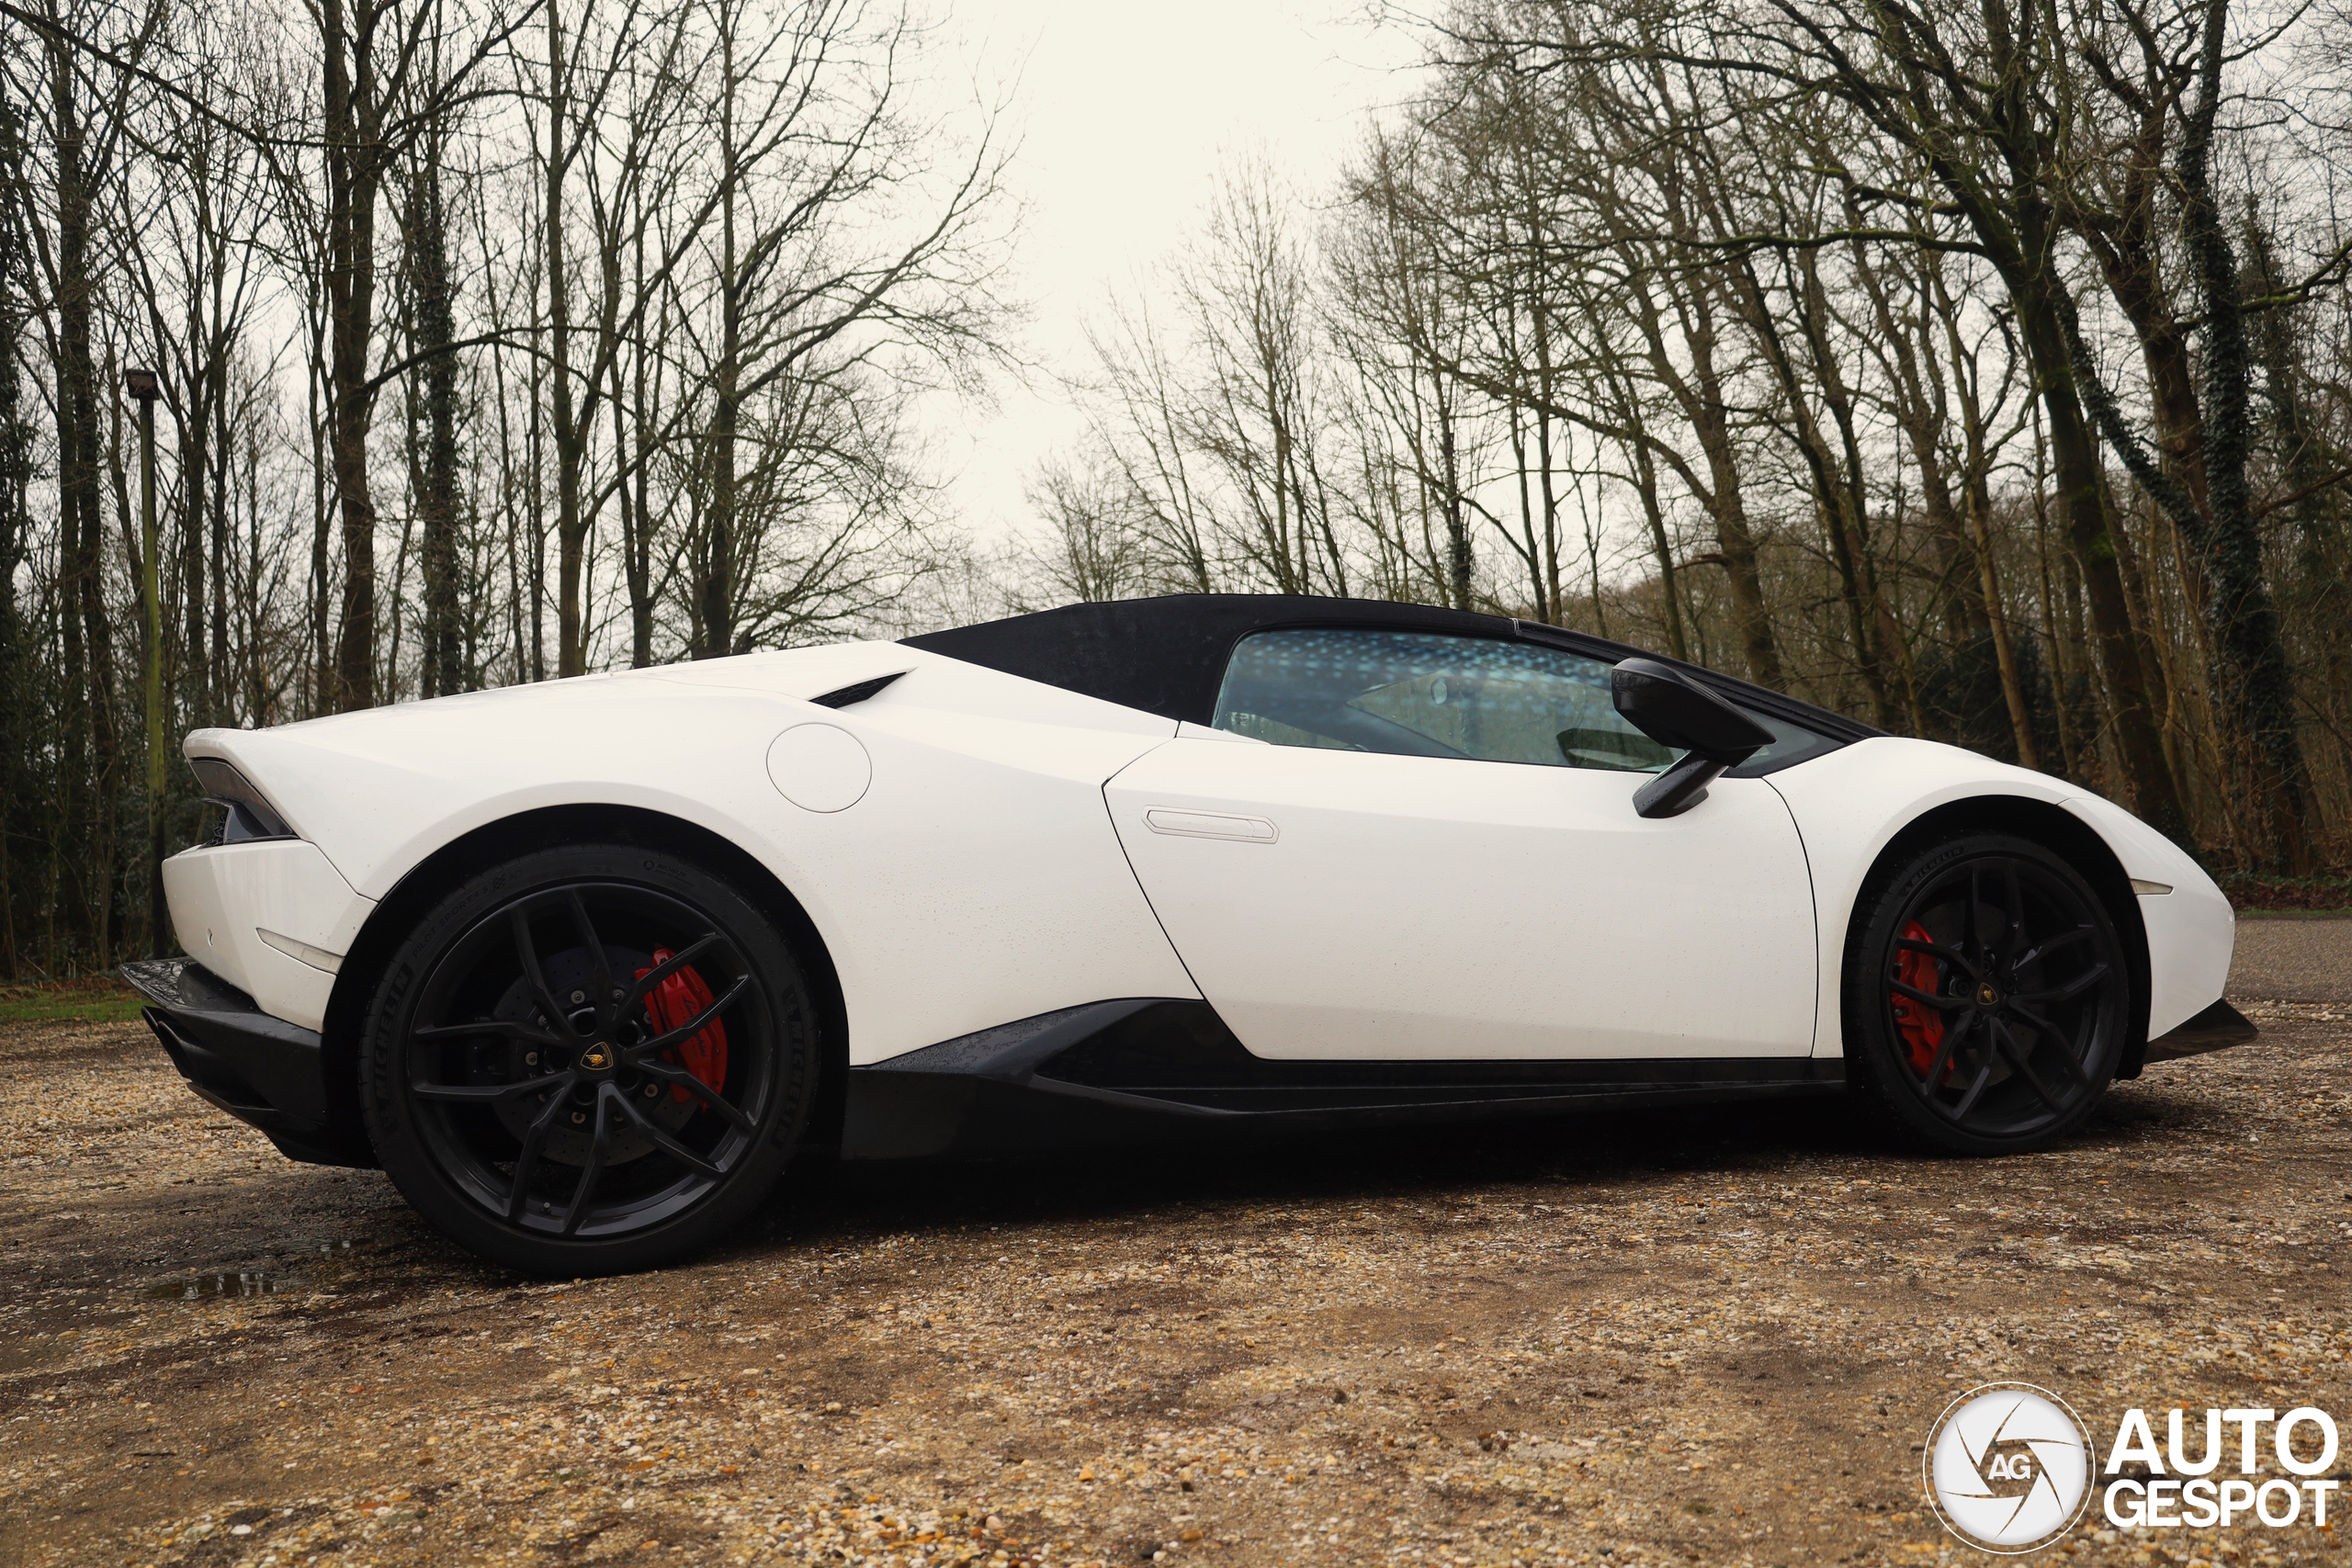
x: 1149, y: 1069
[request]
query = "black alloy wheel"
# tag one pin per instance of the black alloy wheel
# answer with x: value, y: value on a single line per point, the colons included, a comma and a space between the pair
x: 589, y: 1059
x: 1987, y: 996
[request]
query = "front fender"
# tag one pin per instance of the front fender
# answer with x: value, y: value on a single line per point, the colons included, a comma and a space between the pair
x: 1852, y: 803
x: 2192, y: 931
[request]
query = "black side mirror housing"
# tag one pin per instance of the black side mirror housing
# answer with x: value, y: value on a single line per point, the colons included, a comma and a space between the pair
x: 1678, y: 712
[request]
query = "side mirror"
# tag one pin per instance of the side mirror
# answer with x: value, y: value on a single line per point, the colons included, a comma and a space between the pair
x: 1677, y: 712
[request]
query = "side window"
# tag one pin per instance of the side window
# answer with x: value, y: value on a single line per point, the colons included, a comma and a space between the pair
x: 1425, y: 695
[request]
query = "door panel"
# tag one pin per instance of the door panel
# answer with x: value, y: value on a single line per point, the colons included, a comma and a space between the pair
x: 1383, y: 906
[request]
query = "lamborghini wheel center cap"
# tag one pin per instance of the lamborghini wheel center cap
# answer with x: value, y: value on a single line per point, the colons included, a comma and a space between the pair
x: 596, y: 1058
x: 1987, y: 997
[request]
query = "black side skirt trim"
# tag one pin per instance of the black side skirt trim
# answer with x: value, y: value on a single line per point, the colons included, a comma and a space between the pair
x: 1151, y: 1069
x: 2218, y: 1028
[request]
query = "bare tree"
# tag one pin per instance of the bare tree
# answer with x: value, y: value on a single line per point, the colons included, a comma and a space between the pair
x: 371, y: 51
x: 1096, y: 547
x: 838, y: 245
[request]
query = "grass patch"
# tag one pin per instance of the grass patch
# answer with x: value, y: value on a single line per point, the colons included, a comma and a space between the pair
x: 94, y: 998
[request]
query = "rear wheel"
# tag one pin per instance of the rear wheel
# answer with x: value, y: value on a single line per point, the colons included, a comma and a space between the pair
x: 589, y: 1059
x: 1987, y: 997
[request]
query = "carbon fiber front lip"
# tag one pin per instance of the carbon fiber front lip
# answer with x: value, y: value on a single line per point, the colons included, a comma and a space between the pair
x: 262, y: 1070
x: 2218, y: 1028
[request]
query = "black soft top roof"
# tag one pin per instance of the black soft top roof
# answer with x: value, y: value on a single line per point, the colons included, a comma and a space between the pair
x: 1166, y: 656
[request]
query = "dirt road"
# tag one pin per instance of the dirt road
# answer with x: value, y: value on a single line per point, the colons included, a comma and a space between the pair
x: 1715, y: 1340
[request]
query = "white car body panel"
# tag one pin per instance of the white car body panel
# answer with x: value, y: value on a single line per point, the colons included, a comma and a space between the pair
x: 1850, y: 804
x: 2191, y: 930
x: 1342, y: 905
x: 272, y: 918
x: 975, y: 879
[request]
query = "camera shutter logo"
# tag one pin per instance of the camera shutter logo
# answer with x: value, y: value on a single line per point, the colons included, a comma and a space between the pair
x: 2009, y: 1467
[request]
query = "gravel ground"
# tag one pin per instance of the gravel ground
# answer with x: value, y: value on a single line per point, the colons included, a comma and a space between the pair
x: 1715, y: 1338
x: 2293, y: 958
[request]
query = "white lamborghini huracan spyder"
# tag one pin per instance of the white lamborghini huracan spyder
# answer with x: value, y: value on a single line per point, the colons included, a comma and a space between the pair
x: 582, y: 965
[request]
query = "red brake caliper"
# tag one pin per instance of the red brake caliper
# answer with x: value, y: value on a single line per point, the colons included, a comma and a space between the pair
x: 1922, y: 1027
x: 674, y: 1002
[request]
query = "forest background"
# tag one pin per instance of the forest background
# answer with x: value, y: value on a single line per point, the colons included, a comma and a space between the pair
x: 1977, y: 370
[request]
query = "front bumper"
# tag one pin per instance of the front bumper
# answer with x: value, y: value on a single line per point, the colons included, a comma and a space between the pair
x: 270, y: 916
x: 260, y: 1069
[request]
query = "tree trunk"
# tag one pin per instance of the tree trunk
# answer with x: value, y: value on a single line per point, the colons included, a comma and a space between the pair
x: 442, y: 667
x: 571, y: 433
x: 1646, y: 482
x: 88, y: 658
x: 2091, y: 531
x: 355, y: 163
x: 1833, y: 494
x: 222, y: 680
x: 718, y: 588
x: 15, y: 474
x: 1458, y: 560
x: 2322, y: 596
x: 151, y: 595
x: 2254, y: 684
x: 1727, y: 503
x: 197, y: 501
x: 637, y: 520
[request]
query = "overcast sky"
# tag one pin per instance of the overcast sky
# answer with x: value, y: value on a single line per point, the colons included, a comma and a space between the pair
x: 1125, y: 112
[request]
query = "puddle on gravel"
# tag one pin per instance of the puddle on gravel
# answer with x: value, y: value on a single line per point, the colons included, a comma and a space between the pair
x: 230, y: 1283
x: 213, y: 1287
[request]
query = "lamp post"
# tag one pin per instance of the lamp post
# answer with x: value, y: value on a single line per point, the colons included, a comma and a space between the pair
x: 146, y: 387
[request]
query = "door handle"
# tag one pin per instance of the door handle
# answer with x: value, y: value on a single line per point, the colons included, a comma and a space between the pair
x: 1186, y: 824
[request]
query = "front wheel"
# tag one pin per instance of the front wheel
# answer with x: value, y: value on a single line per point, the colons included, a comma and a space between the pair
x: 1987, y: 997
x: 589, y: 1059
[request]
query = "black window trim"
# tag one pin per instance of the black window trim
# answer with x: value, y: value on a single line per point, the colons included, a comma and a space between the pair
x: 1168, y: 654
